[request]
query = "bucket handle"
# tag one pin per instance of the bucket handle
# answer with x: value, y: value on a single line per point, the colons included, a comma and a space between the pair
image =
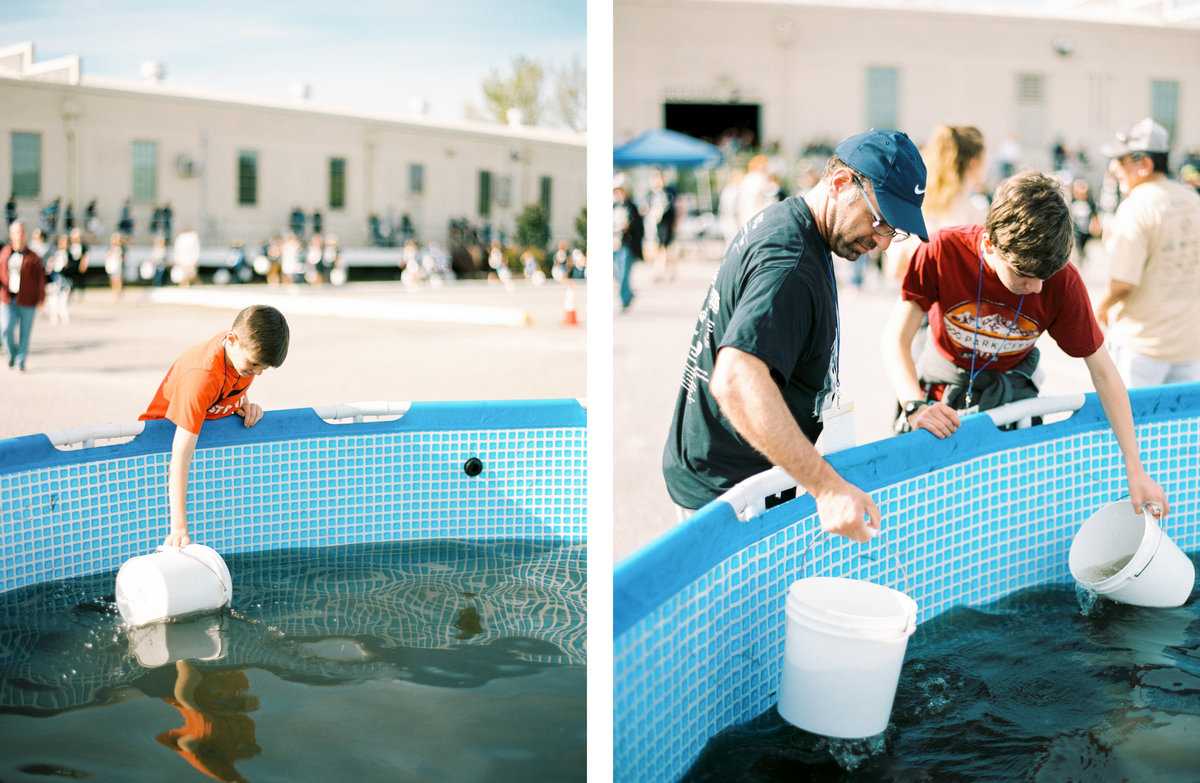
x: 1156, y: 512
x: 206, y: 566
x: 812, y: 539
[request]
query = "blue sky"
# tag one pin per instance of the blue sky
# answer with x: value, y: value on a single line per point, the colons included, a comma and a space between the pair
x: 374, y: 56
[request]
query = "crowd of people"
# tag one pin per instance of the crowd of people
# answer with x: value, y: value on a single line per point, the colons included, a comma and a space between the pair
x: 982, y: 272
x: 963, y: 168
x: 90, y: 225
x: 49, y: 269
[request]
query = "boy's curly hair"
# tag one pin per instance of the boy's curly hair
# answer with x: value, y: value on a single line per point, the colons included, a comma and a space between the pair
x: 1030, y: 224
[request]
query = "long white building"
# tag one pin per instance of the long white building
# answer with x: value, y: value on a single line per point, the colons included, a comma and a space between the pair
x: 794, y: 72
x: 234, y: 169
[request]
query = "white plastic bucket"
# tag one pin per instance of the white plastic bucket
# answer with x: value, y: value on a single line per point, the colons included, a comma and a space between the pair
x: 843, y: 650
x: 171, y: 583
x: 1126, y: 556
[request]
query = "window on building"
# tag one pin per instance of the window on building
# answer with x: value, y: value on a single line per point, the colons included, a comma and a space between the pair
x: 145, y: 172
x: 337, y: 183
x: 485, y: 194
x: 26, y: 165
x: 1031, y: 89
x: 502, y: 190
x: 247, y: 178
x: 1164, y: 105
x: 882, y: 97
x: 545, y: 195
x: 416, y: 178
x: 1030, y: 120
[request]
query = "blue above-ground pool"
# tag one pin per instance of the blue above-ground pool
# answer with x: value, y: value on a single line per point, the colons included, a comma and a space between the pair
x: 699, y: 614
x: 408, y: 598
x: 297, y: 479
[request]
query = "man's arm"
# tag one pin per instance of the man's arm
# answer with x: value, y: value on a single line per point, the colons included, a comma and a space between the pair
x: 939, y: 418
x: 1115, y: 401
x: 182, y: 449
x: 1118, y: 291
x: 749, y: 398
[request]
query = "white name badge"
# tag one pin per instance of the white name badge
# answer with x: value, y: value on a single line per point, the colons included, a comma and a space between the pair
x: 838, y: 434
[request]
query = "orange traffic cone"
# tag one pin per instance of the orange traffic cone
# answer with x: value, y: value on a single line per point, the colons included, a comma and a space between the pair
x: 570, y: 318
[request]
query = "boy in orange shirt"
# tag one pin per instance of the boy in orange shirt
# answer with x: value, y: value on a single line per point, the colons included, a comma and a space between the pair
x: 209, y: 381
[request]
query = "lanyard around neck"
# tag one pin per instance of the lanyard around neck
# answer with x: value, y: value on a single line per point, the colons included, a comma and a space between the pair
x: 837, y: 335
x: 975, y: 341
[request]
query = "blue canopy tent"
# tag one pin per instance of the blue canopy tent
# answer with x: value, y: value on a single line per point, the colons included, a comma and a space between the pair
x: 661, y: 147
x: 666, y: 148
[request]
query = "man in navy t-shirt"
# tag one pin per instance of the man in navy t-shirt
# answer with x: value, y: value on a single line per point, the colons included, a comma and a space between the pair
x: 762, y: 365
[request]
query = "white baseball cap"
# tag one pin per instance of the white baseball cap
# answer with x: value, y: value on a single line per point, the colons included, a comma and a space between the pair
x: 1143, y: 136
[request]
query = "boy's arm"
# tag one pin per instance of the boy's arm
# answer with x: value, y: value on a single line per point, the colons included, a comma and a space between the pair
x: 898, y: 335
x: 182, y: 448
x: 1115, y: 401
x: 249, y: 411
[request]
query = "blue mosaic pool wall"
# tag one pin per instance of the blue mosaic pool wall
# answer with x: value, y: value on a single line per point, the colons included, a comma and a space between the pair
x: 698, y: 616
x: 296, y: 480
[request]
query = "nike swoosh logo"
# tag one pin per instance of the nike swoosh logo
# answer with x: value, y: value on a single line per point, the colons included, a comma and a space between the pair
x: 918, y: 190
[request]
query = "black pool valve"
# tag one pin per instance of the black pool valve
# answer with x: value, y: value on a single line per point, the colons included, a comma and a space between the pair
x: 473, y: 467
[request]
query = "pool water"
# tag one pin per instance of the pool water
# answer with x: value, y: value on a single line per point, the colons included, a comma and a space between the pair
x: 1049, y: 684
x: 443, y: 660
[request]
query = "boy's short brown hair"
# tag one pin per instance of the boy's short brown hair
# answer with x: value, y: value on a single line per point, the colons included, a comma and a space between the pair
x: 264, y: 333
x: 1030, y: 224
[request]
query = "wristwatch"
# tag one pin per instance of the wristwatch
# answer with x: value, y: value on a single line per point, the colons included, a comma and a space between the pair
x: 912, y: 406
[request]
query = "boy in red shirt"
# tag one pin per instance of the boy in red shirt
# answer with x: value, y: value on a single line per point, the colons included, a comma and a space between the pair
x: 990, y: 292
x: 209, y: 381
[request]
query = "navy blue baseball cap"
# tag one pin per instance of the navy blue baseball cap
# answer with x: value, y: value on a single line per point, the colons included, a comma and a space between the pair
x: 893, y: 164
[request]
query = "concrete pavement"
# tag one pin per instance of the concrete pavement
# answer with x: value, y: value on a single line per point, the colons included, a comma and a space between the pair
x: 354, y: 343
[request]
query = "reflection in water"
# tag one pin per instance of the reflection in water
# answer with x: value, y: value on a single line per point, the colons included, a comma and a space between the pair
x: 217, y: 731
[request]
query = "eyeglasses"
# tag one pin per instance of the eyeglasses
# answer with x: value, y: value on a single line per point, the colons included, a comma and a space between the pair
x: 880, y: 227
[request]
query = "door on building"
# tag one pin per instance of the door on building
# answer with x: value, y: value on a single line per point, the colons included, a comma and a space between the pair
x: 713, y: 122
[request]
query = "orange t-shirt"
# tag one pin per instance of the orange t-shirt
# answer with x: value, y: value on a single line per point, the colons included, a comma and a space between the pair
x: 200, y: 385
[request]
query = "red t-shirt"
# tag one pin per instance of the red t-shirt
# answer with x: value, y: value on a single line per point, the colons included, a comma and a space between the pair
x: 200, y: 385
x: 943, y: 279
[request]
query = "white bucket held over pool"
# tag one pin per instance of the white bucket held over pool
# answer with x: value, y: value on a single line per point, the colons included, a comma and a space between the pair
x: 172, y: 582
x: 843, y: 651
x: 1127, y: 557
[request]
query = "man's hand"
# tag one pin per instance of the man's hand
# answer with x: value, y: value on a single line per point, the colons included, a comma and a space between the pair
x: 1117, y: 291
x: 251, y: 413
x: 939, y: 418
x: 848, y: 511
x: 743, y: 387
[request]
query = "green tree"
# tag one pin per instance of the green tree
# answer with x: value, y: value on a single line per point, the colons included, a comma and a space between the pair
x: 522, y: 90
x: 533, y: 229
x: 570, y: 95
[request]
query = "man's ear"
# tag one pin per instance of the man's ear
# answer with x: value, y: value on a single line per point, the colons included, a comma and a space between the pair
x: 839, y: 180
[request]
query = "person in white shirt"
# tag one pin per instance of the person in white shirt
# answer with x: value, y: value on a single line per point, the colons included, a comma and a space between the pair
x: 1153, y: 243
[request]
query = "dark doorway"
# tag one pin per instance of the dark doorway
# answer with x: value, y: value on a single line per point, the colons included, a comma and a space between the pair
x: 713, y: 122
